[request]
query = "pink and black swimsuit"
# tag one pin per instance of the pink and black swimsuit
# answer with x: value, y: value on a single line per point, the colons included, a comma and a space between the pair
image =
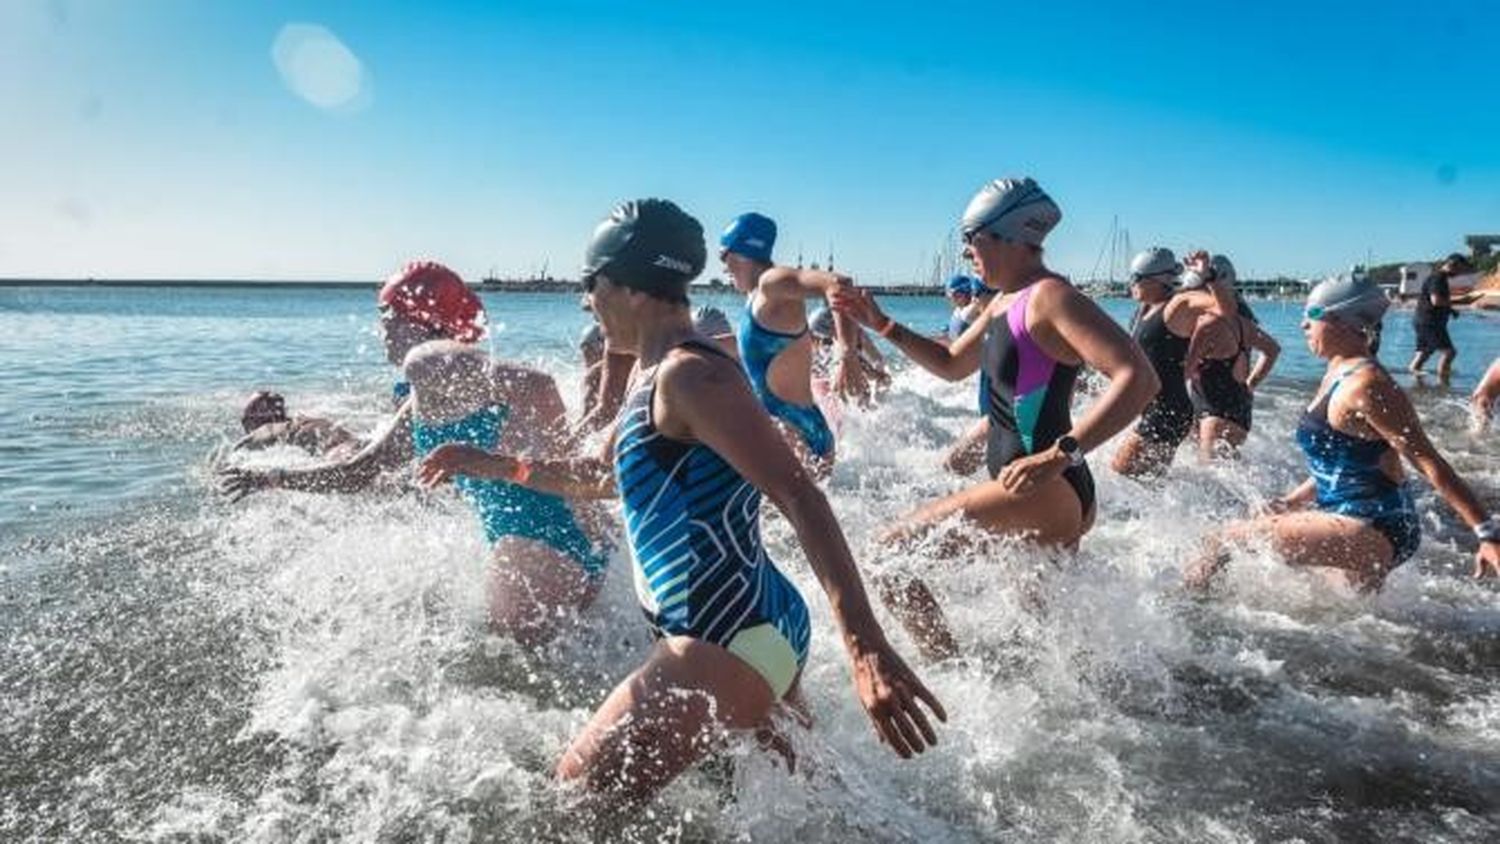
x: 1028, y: 397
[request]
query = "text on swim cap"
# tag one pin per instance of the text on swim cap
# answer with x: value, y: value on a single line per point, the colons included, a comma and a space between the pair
x: 668, y: 262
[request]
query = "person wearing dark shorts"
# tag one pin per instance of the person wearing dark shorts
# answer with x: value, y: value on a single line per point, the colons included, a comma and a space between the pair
x: 1430, y: 320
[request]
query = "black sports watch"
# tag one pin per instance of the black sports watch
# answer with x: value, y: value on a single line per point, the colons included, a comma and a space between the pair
x: 1068, y: 445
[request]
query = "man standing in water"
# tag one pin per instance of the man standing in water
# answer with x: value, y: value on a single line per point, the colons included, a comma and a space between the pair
x: 774, y: 345
x: 692, y: 454
x: 1430, y: 319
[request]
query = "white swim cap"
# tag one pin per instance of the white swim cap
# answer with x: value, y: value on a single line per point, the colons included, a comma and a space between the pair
x: 1223, y: 270
x: 1350, y: 299
x: 1158, y: 260
x: 1012, y: 209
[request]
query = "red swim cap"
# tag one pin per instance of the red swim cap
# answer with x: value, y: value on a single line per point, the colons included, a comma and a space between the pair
x: 429, y: 293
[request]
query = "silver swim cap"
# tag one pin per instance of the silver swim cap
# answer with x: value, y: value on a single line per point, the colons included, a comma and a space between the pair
x: 1012, y: 209
x: 711, y: 322
x: 820, y: 324
x: 1223, y: 270
x: 1350, y: 299
x: 1158, y: 260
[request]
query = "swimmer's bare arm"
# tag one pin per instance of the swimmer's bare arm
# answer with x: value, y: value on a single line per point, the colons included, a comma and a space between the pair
x: 953, y: 362
x: 1300, y: 496
x: 589, y: 477
x: 1269, y: 350
x: 538, y: 423
x: 782, y: 284
x: 392, y: 448
x: 1068, y: 326
x: 708, y: 400
x: 1386, y: 409
x: 1488, y: 391
x: 613, y: 376
x: 1223, y: 295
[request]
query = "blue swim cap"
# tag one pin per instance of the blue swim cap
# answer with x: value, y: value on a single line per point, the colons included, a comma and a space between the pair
x: 751, y: 235
x: 965, y: 284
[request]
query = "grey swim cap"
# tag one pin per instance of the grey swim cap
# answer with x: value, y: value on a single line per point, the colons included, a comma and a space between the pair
x: 1158, y: 260
x: 1350, y: 299
x: 592, y: 338
x: 1012, y: 209
x: 1223, y: 270
x: 711, y: 322
x: 820, y: 324
x: 649, y: 245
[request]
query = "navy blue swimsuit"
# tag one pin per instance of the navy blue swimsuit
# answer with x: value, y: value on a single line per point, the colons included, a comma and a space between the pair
x: 1350, y: 482
x: 694, y: 529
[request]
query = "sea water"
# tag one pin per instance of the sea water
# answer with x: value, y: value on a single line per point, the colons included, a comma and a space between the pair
x: 295, y: 667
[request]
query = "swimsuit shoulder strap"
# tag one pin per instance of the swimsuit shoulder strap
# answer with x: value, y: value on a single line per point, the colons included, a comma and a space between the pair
x: 1015, y: 316
x: 1338, y: 379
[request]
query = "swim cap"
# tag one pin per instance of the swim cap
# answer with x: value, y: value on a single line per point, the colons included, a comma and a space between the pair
x: 963, y: 284
x: 1158, y: 260
x: 752, y: 235
x: 649, y: 245
x: 711, y: 322
x: 432, y: 295
x: 1223, y: 270
x: 1013, y: 209
x: 820, y: 324
x: 592, y: 338
x: 1351, y: 299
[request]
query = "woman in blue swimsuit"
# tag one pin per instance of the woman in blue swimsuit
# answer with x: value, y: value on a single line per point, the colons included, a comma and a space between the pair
x: 690, y: 458
x: 774, y: 345
x: 541, y: 557
x: 1354, y: 514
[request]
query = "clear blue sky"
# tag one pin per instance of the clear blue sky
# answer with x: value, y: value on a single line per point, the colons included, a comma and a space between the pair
x: 158, y: 138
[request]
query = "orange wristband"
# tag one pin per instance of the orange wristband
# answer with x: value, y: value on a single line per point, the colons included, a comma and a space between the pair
x: 885, y: 330
x: 522, y: 472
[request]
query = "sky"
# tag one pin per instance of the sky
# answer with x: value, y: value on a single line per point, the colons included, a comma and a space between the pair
x: 334, y: 140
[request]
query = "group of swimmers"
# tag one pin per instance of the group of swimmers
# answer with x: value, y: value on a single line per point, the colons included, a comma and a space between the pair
x: 696, y: 420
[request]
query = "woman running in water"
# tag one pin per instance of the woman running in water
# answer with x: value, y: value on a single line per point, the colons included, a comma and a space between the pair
x: 1222, y: 382
x: 773, y: 342
x: 1029, y: 345
x: 691, y: 456
x: 1150, y: 448
x: 1354, y: 514
x: 541, y: 560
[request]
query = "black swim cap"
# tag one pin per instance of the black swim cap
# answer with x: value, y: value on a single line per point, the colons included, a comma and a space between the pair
x: 649, y: 245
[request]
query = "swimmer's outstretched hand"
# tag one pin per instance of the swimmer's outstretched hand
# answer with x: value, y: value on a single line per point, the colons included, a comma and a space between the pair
x: 451, y: 459
x: 858, y: 304
x: 1027, y: 473
x: 889, y: 690
x: 1487, y: 559
x: 237, y: 482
